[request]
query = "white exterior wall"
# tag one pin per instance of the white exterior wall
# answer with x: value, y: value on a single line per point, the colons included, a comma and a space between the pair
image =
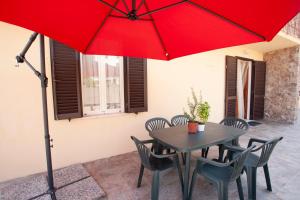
x: 21, y: 128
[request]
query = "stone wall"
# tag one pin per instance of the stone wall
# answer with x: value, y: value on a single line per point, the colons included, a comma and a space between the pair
x: 293, y: 27
x: 282, y: 79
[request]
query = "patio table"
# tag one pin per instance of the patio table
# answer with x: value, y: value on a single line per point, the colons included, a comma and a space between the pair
x: 178, y: 139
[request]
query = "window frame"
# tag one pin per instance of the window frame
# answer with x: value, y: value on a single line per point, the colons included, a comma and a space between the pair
x: 102, y: 90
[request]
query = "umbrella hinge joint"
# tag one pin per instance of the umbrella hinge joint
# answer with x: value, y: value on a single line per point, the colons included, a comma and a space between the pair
x: 132, y: 15
x: 44, y: 79
x: 20, y: 59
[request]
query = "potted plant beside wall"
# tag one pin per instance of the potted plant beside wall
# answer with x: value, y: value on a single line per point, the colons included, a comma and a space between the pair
x: 203, y: 111
x: 192, y: 114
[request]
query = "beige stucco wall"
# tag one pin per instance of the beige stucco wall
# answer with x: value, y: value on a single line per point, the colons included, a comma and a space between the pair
x: 86, y: 139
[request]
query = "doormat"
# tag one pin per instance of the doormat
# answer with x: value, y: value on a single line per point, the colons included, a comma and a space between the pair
x: 72, y: 182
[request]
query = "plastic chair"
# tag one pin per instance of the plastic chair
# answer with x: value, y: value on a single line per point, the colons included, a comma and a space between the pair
x: 254, y: 161
x: 179, y: 120
x: 155, y: 163
x: 233, y: 122
x: 221, y: 174
x: 156, y: 124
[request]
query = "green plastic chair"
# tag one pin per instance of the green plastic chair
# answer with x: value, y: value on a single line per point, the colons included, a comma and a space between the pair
x: 221, y: 174
x: 233, y: 122
x: 157, y: 123
x: 155, y: 163
x: 179, y: 120
x: 255, y: 161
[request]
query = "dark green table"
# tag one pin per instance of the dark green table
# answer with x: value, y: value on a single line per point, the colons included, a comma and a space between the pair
x: 178, y: 138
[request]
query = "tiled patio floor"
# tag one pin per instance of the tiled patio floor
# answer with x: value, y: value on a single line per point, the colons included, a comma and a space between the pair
x: 118, y: 175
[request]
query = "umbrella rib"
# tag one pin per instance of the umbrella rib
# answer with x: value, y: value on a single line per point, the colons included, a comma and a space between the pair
x: 226, y: 19
x: 157, y: 32
x: 101, y: 25
x: 160, y: 9
x: 113, y: 7
x: 140, y: 5
x: 126, y: 6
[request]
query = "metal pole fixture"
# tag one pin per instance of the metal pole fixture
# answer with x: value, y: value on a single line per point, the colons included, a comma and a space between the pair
x: 44, y: 83
x: 48, y: 141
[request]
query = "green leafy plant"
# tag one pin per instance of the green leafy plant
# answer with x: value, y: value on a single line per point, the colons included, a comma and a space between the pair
x: 203, y: 111
x: 192, y: 106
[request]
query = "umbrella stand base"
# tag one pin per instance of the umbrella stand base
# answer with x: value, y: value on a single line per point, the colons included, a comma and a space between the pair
x: 52, y: 192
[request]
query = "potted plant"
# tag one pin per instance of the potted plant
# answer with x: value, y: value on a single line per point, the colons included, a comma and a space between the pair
x: 203, y: 111
x: 192, y: 114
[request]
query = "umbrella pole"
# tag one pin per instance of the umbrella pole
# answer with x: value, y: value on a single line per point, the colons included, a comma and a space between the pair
x: 44, y: 83
x: 48, y: 140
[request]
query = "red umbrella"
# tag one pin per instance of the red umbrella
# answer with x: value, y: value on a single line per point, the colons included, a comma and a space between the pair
x: 160, y: 29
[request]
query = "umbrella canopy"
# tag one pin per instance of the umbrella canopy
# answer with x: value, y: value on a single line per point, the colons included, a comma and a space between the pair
x: 160, y: 29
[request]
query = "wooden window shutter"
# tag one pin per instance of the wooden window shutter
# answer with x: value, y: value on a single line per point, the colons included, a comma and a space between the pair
x: 135, y: 85
x: 259, y: 89
x: 66, y: 81
x: 230, y: 86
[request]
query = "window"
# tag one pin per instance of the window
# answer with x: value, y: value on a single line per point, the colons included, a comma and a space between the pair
x: 102, y: 84
x: 91, y: 85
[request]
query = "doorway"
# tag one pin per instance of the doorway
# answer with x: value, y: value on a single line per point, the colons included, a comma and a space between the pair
x: 243, y: 85
x: 245, y: 88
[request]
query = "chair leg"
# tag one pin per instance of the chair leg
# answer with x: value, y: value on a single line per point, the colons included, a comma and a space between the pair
x: 204, y: 152
x: 222, y: 191
x: 183, y: 157
x: 251, y: 181
x: 194, y: 177
x: 168, y: 150
x: 221, y: 153
x: 140, y: 176
x: 267, y: 175
x: 179, y: 172
x: 240, y: 188
x: 155, y: 186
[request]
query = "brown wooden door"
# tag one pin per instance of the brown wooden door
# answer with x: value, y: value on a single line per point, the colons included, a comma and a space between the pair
x: 230, y: 86
x: 259, y: 89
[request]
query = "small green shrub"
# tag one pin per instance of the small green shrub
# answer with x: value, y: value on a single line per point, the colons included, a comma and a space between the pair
x: 203, y: 111
x: 197, y: 110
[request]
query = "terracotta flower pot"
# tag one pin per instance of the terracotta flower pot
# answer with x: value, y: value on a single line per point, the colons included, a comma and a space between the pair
x: 192, y: 127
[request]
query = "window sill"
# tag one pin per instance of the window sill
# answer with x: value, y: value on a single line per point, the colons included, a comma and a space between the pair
x: 96, y: 116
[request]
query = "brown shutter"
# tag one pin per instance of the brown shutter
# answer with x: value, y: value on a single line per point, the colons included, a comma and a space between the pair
x: 66, y: 83
x: 259, y: 89
x: 135, y: 84
x: 230, y: 86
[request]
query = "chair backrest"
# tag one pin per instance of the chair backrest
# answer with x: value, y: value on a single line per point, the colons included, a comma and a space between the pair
x: 266, y: 151
x: 178, y: 120
x: 144, y: 152
x: 238, y: 163
x: 235, y: 122
x: 156, y: 123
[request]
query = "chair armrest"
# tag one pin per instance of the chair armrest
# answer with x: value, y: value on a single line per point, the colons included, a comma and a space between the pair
x: 211, y: 162
x: 148, y: 141
x: 256, y: 140
x: 172, y: 154
x: 233, y: 148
